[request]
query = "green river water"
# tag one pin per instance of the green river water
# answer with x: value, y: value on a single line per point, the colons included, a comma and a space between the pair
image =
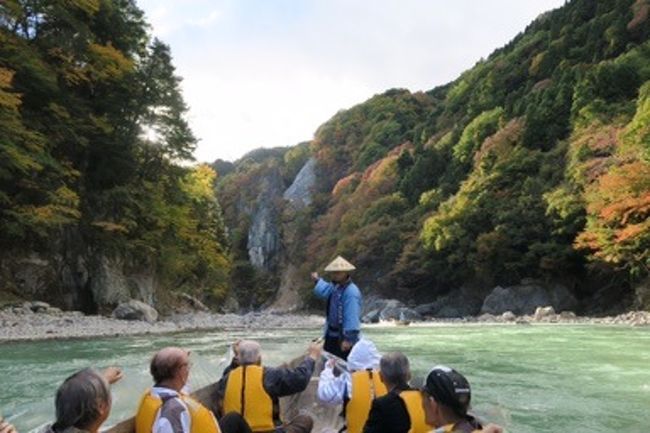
x: 540, y: 378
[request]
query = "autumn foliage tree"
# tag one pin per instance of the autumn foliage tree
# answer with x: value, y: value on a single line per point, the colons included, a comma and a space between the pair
x: 93, y: 139
x: 618, y: 201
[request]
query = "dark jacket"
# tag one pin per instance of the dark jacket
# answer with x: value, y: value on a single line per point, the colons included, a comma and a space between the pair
x: 278, y: 381
x: 388, y: 414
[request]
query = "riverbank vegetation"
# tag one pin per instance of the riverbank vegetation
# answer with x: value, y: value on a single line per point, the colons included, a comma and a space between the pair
x: 94, y: 145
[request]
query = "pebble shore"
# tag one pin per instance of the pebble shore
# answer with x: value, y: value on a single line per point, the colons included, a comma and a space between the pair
x: 51, y: 323
x: 56, y: 324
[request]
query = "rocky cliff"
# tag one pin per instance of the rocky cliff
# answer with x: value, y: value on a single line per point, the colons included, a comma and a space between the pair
x: 72, y: 275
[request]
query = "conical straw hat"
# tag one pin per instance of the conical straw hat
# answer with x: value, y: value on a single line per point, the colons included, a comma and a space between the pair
x: 339, y: 264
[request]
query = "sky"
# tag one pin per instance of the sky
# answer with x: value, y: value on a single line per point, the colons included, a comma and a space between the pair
x: 267, y: 73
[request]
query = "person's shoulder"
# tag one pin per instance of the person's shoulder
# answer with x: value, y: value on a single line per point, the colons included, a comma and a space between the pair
x: 269, y: 372
x: 354, y: 289
x: 386, y: 401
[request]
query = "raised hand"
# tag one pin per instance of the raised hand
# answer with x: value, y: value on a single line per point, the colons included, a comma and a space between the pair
x: 112, y: 375
x: 5, y: 427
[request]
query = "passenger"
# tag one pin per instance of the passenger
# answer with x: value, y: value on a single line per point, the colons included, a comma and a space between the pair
x: 83, y: 401
x: 343, y: 310
x: 400, y: 410
x: 355, y: 389
x: 447, y: 396
x: 253, y: 391
x: 166, y: 408
x: 5, y: 427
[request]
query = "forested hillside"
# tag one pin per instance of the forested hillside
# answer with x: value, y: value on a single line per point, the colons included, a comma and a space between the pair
x: 532, y: 165
x: 98, y: 203
x: 535, y: 164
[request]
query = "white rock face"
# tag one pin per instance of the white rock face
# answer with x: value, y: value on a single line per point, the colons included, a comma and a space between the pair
x: 264, y: 233
x: 299, y: 193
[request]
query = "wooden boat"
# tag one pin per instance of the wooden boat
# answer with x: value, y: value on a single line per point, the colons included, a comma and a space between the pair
x: 326, y: 418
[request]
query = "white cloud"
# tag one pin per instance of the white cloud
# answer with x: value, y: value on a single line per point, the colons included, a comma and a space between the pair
x: 205, y: 21
x: 268, y: 73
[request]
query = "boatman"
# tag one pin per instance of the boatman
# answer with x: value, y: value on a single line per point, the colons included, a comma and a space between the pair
x: 343, y: 310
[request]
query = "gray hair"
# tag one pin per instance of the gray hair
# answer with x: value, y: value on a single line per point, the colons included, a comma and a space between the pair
x: 395, y: 368
x: 249, y: 352
x: 79, y: 398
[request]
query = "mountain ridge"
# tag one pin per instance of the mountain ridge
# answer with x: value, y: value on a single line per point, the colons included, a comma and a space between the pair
x: 486, y: 180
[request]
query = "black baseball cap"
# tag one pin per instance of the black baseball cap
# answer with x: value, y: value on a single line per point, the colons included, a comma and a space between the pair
x: 449, y: 388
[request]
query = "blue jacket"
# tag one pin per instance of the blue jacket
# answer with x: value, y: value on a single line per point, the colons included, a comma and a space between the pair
x: 350, y: 306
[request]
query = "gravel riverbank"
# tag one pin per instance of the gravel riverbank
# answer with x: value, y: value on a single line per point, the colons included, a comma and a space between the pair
x: 55, y: 324
x: 24, y: 324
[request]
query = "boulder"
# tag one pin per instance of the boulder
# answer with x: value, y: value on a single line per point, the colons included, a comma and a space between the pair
x: 39, y: 307
x: 378, y: 309
x: 54, y: 311
x: 427, y: 309
x: 22, y: 310
x: 544, y: 312
x: 526, y: 297
x: 461, y: 302
x: 372, y: 303
x: 486, y: 317
x: 371, y: 317
x: 135, y: 310
x: 391, y: 312
x: 568, y: 315
x: 409, y: 315
x: 509, y: 316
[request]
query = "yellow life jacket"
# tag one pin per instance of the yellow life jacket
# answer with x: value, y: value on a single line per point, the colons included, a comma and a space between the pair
x: 366, y: 386
x: 202, y: 419
x: 413, y: 401
x: 245, y: 394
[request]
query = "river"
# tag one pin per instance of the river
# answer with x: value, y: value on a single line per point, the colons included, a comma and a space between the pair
x: 532, y: 379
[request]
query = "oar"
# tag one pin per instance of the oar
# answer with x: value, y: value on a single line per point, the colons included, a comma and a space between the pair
x: 338, y: 361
